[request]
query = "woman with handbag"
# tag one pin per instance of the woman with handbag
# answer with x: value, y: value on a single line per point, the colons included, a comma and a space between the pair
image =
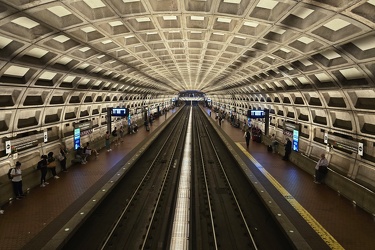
x: 51, y: 164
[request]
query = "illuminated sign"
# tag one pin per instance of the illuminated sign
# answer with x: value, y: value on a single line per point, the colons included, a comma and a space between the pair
x: 295, y: 140
x: 119, y: 112
x: 77, y: 138
x: 289, y: 128
x: 255, y: 114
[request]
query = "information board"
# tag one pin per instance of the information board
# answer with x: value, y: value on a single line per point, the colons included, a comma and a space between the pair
x: 256, y: 114
x: 119, y: 112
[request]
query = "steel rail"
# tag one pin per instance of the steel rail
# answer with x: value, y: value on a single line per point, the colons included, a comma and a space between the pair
x: 232, y: 191
x: 163, y: 183
x: 206, y: 185
x: 109, y: 236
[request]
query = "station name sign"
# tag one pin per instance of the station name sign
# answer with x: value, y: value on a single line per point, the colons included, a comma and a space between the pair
x: 23, y: 143
x: 346, y: 144
x: 290, y: 127
x: 85, y: 128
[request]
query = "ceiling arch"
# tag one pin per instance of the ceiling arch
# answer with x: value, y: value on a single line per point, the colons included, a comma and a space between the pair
x: 315, y: 56
x: 213, y: 46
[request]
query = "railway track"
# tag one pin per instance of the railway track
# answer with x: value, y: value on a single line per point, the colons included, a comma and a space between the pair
x: 226, y: 226
x: 224, y: 211
x: 133, y: 215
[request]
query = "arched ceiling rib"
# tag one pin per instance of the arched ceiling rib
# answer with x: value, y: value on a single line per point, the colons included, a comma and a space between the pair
x: 218, y: 47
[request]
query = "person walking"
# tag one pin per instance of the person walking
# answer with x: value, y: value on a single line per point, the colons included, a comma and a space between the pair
x: 321, y: 169
x: 247, y: 136
x: 16, y: 174
x: 51, y: 164
x: 42, y: 166
x: 62, y: 158
x: 288, y: 149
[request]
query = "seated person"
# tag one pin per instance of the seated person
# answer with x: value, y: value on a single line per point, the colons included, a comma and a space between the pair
x: 135, y: 127
x: 80, y: 157
x: 87, y: 150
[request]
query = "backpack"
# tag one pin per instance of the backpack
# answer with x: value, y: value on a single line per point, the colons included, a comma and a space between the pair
x: 39, y: 166
x: 9, y: 175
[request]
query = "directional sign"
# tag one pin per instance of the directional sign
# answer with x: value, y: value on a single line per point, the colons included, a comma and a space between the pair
x: 45, y: 136
x: 360, y: 148
x: 8, y: 147
x: 326, y: 137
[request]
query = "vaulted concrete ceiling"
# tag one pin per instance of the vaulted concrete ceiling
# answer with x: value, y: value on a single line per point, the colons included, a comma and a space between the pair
x: 165, y: 46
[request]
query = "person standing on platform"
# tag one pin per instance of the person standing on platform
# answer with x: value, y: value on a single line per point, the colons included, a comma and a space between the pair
x: 16, y: 174
x: 151, y: 119
x: 62, y: 158
x: 121, y: 134
x: 247, y: 136
x: 52, y: 165
x: 220, y: 119
x: 321, y: 169
x: 288, y: 149
x: 273, y: 143
x: 107, y: 141
x: 146, y: 125
x: 114, y: 134
x: 42, y: 166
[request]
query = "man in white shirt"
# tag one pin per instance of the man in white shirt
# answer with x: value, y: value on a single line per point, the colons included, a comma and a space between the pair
x: 16, y: 174
x: 321, y: 169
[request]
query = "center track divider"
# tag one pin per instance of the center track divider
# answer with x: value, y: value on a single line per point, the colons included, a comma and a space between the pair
x: 319, y: 229
x: 181, y: 221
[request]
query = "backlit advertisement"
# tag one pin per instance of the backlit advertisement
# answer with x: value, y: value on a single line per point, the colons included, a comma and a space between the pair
x: 77, y: 138
x: 295, y: 140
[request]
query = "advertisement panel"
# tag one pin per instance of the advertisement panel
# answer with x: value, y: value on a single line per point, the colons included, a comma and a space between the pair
x: 77, y: 138
x: 295, y: 143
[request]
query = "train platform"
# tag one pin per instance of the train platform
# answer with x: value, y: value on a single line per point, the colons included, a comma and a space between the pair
x: 30, y: 223
x: 340, y: 224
